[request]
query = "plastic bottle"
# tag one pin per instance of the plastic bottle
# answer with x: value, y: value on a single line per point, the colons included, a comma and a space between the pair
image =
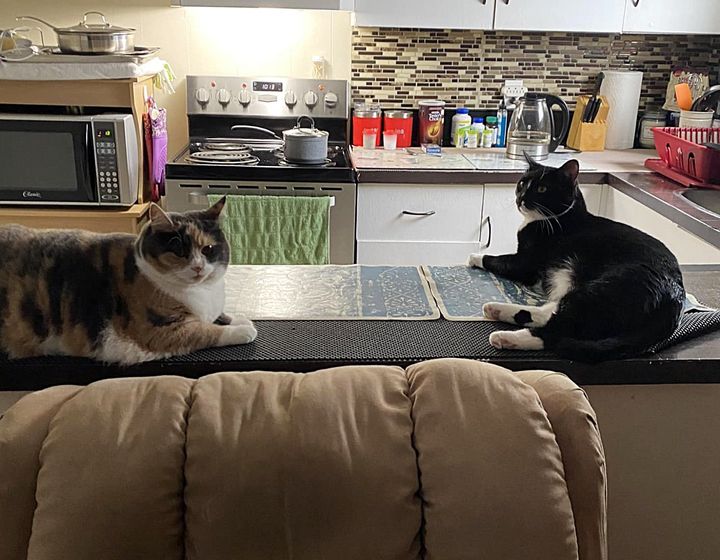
x: 487, y: 138
x: 491, y: 123
x: 479, y: 125
x: 472, y: 137
x: 502, y: 125
x: 461, y: 118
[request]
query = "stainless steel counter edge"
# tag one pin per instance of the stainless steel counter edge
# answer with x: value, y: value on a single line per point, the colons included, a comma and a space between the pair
x: 657, y: 193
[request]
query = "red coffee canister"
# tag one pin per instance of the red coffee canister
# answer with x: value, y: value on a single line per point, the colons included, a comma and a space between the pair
x: 365, y: 116
x: 400, y: 122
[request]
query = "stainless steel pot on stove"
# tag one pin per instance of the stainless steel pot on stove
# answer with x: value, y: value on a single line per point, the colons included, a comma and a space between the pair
x: 306, y: 145
x: 91, y: 38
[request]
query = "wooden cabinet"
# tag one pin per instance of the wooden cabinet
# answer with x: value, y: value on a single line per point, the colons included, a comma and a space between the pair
x: 669, y: 16
x: 501, y: 218
x: 688, y: 248
x: 560, y: 15
x: 128, y: 220
x: 417, y: 224
x: 453, y: 14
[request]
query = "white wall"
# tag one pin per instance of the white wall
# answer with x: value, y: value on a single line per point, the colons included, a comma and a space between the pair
x: 223, y: 41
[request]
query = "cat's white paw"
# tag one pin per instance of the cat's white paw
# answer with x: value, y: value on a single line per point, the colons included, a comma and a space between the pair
x: 493, y: 311
x: 241, y: 320
x: 503, y: 340
x: 475, y: 260
x: 237, y: 334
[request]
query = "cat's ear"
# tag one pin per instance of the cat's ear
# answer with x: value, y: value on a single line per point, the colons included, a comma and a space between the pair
x: 571, y: 169
x: 159, y: 219
x: 531, y: 162
x: 213, y: 213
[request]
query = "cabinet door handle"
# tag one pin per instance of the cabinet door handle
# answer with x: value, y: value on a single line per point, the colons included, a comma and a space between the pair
x: 636, y: 3
x: 409, y: 213
x: 483, y: 2
x: 507, y: 2
x: 487, y: 221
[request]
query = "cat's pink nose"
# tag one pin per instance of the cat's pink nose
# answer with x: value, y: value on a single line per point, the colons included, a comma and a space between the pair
x: 197, y: 269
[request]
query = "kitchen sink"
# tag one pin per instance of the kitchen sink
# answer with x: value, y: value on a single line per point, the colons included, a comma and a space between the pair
x: 707, y: 199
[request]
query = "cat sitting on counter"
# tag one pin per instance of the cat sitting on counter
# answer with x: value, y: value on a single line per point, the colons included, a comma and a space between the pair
x: 118, y: 298
x: 613, y: 291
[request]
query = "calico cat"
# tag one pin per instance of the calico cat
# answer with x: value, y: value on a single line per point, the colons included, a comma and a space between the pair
x: 613, y: 290
x: 118, y: 298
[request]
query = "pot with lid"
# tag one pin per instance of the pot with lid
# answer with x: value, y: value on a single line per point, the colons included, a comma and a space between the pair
x: 91, y: 38
x: 308, y: 146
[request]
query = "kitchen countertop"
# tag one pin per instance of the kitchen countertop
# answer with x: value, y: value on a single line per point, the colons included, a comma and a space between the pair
x: 329, y: 343
x: 621, y: 169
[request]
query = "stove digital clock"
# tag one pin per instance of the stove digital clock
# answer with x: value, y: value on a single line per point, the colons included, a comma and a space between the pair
x: 267, y: 86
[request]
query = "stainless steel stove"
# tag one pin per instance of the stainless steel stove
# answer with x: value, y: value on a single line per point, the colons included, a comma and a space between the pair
x: 236, y: 147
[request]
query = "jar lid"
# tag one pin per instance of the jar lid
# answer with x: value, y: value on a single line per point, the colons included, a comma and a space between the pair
x: 492, y: 119
x: 478, y: 120
x: 367, y: 113
x: 398, y: 115
x: 655, y: 114
x: 432, y: 103
x: 462, y: 111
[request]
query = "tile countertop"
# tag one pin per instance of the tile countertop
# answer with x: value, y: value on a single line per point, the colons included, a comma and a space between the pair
x: 367, y: 162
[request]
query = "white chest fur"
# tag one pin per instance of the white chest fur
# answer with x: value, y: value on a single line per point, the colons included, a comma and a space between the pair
x: 206, y: 300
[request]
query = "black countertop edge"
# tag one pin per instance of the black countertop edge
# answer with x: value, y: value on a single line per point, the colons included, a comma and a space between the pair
x: 651, y: 370
x: 664, y: 197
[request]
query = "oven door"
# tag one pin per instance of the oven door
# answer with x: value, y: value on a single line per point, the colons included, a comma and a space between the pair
x: 47, y: 162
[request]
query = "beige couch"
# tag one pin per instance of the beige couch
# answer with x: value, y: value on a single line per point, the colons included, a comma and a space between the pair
x: 449, y: 459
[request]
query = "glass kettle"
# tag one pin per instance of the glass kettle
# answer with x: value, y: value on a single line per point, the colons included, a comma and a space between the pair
x: 533, y: 130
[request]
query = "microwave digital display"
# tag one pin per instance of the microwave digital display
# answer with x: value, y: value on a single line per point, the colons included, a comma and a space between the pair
x: 103, y: 133
x: 267, y: 86
x: 57, y: 171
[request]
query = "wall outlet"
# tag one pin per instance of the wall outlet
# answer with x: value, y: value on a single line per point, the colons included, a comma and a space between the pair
x: 512, y: 91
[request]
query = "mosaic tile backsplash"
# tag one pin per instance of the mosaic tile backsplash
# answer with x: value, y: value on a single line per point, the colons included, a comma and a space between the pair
x: 398, y: 67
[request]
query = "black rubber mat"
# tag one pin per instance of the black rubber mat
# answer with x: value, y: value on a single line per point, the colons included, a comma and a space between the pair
x: 309, y: 345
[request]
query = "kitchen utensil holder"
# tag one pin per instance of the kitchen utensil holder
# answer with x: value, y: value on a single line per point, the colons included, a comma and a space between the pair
x: 588, y: 136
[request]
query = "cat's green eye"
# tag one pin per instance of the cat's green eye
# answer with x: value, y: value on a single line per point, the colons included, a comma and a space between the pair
x: 541, y: 188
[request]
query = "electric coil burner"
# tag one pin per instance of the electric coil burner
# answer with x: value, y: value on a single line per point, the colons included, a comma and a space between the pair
x: 236, y: 147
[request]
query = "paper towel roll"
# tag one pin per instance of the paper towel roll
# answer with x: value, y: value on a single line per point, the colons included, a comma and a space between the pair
x: 622, y: 90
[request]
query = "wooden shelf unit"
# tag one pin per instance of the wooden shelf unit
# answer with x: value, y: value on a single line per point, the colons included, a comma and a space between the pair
x: 126, y: 93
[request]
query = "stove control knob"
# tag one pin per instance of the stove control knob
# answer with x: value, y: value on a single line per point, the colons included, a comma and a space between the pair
x: 224, y: 96
x: 310, y: 98
x: 331, y: 99
x: 244, y: 98
x: 202, y: 96
x: 290, y: 99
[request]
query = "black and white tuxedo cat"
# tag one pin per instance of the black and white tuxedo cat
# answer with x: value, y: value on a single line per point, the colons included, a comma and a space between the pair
x: 613, y: 290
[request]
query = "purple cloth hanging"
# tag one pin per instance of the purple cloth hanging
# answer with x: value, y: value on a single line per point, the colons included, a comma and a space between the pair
x: 158, y: 118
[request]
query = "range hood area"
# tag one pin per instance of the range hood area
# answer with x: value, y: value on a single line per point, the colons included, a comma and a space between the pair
x: 347, y: 5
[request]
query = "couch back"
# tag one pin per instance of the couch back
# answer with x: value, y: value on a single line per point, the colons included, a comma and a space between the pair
x: 448, y: 459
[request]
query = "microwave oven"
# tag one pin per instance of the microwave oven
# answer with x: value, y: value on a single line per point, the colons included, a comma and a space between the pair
x: 68, y: 160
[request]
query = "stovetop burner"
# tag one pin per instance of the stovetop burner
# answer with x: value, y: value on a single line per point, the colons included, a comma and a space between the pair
x: 223, y: 157
x: 224, y: 147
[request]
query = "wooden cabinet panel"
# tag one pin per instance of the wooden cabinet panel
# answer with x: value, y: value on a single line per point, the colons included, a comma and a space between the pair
x: 419, y: 212
x: 453, y: 14
x: 669, y: 16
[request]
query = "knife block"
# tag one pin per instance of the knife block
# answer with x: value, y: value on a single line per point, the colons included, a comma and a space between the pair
x: 590, y: 136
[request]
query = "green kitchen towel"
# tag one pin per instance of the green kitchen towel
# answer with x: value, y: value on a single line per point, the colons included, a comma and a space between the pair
x: 277, y: 229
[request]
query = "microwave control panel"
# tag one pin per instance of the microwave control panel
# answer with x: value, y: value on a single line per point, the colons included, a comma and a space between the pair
x: 106, y: 158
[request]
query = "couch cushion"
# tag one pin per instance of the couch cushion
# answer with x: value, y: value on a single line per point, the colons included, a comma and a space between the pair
x: 491, y: 472
x: 111, y: 475
x: 288, y: 466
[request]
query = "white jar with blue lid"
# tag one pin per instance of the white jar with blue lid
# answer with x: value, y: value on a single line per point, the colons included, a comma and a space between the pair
x: 461, y: 119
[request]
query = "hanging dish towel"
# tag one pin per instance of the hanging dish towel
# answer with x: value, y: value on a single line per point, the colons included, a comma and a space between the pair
x: 158, y: 120
x: 277, y: 229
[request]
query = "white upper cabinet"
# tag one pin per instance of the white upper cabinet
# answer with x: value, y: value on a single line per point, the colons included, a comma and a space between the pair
x: 297, y: 4
x: 670, y: 16
x: 453, y: 14
x: 604, y: 16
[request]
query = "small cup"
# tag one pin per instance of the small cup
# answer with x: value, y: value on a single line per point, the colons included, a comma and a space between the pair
x: 696, y: 119
x: 369, y: 138
x: 390, y: 139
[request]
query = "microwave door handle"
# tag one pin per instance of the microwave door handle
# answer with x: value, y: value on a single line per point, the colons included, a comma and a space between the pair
x: 89, y: 165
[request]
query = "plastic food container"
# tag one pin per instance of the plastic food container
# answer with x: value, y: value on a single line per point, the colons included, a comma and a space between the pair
x: 365, y: 116
x: 431, y: 122
x: 402, y: 123
x: 648, y: 121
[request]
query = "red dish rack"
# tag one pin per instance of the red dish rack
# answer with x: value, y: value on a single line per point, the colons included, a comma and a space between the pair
x: 684, y: 159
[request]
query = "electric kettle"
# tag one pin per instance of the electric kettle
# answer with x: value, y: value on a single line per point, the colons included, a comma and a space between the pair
x: 532, y: 129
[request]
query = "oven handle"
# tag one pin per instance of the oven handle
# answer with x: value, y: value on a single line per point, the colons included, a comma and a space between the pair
x: 200, y: 199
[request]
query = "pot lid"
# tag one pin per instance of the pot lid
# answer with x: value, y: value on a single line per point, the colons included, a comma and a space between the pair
x: 103, y: 28
x: 300, y: 132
